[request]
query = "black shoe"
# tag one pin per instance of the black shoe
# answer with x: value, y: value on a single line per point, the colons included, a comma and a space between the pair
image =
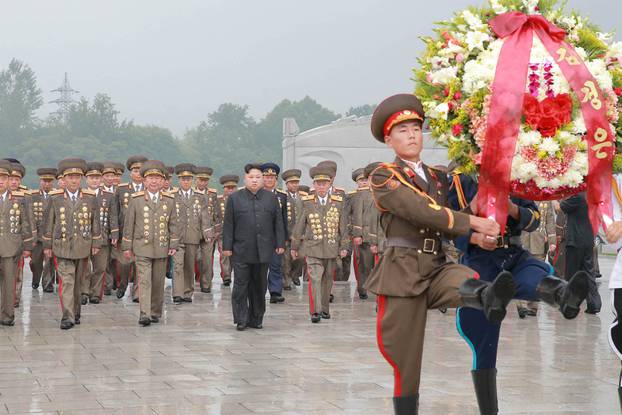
x: 48, y: 290
x: 296, y: 283
x: 7, y: 323
x: 522, y: 312
x: 84, y: 299
x: 35, y: 286
x: 363, y: 296
x: 287, y: 288
x: 136, y: 300
x: 66, y: 325
x: 406, y: 405
x: 16, y: 305
x: 485, y: 384
x: 226, y: 283
x: 276, y: 298
x: 94, y: 301
x: 77, y: 320
x: 254, y: 326
x: 240, y: 327
x: 331, y: 299
x: 155, y: 319
x: 144, y: 321
x: 206, y: 290
x: 532, y: 313
x: 177, y: 300
x: 620, y: 395
x: 107, y: 292
x: 186, y: 300
x: 492, y: 298
x: 591, y: 311
x: 567, y: 295
x: 315, y: 318
x: 120, y: 294
x: 325, y: 315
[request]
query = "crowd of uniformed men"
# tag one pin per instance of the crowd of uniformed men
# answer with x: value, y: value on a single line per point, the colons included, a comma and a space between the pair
x: 90, y: 235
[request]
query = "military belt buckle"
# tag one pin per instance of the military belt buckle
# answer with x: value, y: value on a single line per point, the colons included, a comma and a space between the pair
x: 428, y: 245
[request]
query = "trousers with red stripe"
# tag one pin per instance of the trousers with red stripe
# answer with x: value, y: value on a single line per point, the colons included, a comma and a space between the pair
x: 320, y: 272
x: 400, y: 325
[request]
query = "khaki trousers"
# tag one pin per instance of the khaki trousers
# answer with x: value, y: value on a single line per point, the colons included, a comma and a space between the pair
x: 42, y: 268
x: 151, y: 273
x: 321, y: 271
x: 292, y: 268
x: 95, y: 282
x: 8, y: 272
x: 19, y: 281
x: 206, y: 266
x: 183, y: 270
x: 363, y: 260
x: 70, y: 274
x: 126, y: 273
x: 225, y: 264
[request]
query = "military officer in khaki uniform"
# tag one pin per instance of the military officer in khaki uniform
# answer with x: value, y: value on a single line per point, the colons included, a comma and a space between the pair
x: 125, y: 268
x: 413, y: 275
x: 17, y: 173
x: 192, y: 219
x: 363, y: 211
x: 111, y: 177
x: 292, y: 268
x: 150, y: 235
x: 229, y: 184
x: 321, y: 228
x: 72, y: 234
x: 539, y: 243
x: 372, y: 230
x: 43, y: 271
x: 205, y: 266
x: 16, y: 241
x: 93, y: 285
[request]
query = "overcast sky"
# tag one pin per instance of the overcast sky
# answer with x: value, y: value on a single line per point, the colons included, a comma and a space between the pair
x: 170, y: 63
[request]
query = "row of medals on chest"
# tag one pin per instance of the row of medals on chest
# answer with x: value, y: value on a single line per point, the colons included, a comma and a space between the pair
x: 331, y: 225
x: 162, y: 221
x: 14, y: 219
x: 82, y: 217
x: 37, y: 210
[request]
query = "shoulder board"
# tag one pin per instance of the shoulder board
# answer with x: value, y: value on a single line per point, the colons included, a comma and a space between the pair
x: 281, y: 191
x: 241, y: 187
x: 336, y: 198
x: 308, y: 197
x: 211, y: 190
x: 167, y: 194
x: 220, y: 196
x: 352, y: 192
x: 364, y: 188
x: 106, y: 191
x: 124, y: 185
x: 56, y: 192
x: 18, y: 193
x: 195, y: 190
x: 22, y: 187
x: 88, y: 192
x: 174, y: 191
x: 303, y: 193
x: 141, y: 193
x: 339, y: 189
x: 31, y: 192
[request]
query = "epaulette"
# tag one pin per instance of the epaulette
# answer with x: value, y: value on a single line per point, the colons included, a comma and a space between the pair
x: 141, y: 193
x: 281, y: 191
x: 241, y: 187
x: 211, y: 190
x: 31, y: 192
x: 175, y: 190
x: 303, y: 193
x: 167, y: 194
x: 220, y: 196
x: 106, y: 191
x: 124, y: 185
x: 56, y: 192
x: 339, y: 189
x: 352, y: 192
x: 88, y: 192
x: 363, y: 188
x: 336, y: 198
x: 308, y: 197
x: 23, y: 187
x: 18, y: 193
x: 195, y: 190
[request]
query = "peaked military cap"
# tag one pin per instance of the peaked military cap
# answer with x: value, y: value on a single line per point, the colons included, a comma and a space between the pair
x: 203, y: 172
x: 291, y: 175
x: 72, y: 166
x: 358, y: 174
x: 185, y: 170
x: 47, y: 173
x: 270, y: 169
x: 153, y: 167
x: 229, y: 180
x: 395, y: 110
x: 321, y: 173
x: 135, y: 161
x: 94, y: 168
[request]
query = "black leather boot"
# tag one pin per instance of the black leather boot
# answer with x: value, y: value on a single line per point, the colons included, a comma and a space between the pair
x: 491, y: 297
x: 485, y: 384
x: 406, y: 405
x: 567, y: 295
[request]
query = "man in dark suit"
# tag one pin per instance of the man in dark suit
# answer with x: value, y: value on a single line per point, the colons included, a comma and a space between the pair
x: 252, y: 233
x: 580, y: 246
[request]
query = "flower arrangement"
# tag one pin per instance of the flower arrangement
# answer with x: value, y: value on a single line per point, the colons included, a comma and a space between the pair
x: 551, y: 155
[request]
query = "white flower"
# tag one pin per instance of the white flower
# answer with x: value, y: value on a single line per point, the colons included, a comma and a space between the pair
x: 530, y: 6
x: 498, y: 7
x: 572, y: 178
x: 451, y: 50
x: 578, y: 124
x: 474, y: 22
x: 444, y: 75
x: 439, y: 112
x: 529, y: 138
x: 605, y: 37
x: 614, y: 51
x: 476, y: 39
x: 598, y: 69
x: 549, y: 145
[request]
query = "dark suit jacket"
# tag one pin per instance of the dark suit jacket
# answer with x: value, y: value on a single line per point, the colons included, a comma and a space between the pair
x: 253, y: 226
x: 578, y: 227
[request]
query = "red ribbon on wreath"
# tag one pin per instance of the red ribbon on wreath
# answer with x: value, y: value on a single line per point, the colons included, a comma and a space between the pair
x: 504, y: 119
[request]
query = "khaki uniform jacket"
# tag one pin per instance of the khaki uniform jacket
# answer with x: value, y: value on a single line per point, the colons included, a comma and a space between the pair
x: 538, y: 241
x: 294, y: 210
x: 192, y: 216
x: 369, y: 215
x: 15, y: 227
x: 37, y: 204
x: 150, y: 229
x: 214, y: 228
x: 414, y: 219
x: 104, y: 201
x: 120, y: 204
x: 71, y: 229
x: 323, y: 230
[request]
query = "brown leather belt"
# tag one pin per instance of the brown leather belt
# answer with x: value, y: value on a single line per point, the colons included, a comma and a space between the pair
x: 425, y: 245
